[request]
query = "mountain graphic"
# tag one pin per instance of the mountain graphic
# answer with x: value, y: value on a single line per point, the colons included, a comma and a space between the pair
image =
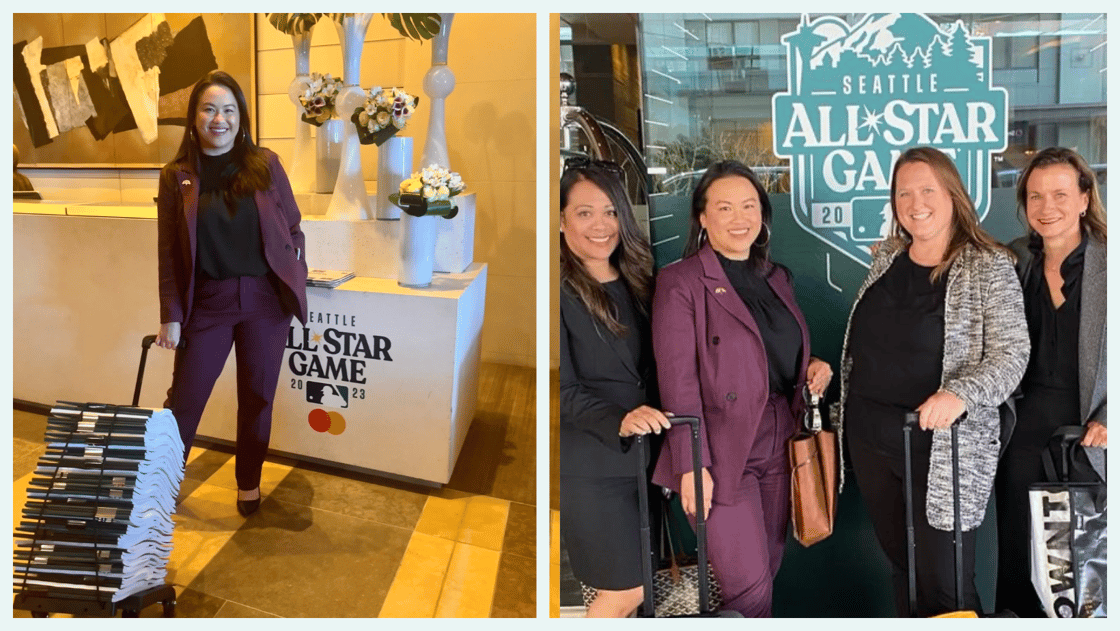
x: 876, y: 34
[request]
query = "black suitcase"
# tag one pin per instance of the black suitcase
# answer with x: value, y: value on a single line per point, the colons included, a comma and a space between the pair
x: 908, y: 483
x: 647, y: 608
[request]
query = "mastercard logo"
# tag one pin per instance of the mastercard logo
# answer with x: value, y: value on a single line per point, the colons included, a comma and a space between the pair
x: 324, y: 421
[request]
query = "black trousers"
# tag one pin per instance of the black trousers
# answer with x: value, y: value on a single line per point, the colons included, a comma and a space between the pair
x: 1020, y: 467
x: 879, y: 470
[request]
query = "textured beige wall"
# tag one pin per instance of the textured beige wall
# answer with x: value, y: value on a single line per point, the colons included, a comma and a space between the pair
x: 490, y: 138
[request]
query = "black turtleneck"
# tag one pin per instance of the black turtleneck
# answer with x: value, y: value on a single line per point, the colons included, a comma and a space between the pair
x: 229, y: 232
x: 781, y: 335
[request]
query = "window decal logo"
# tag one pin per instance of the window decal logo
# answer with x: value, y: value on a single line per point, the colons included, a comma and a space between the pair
x: 861, y: 95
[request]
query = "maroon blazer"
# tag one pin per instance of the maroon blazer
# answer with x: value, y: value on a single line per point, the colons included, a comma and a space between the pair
x: 281, y: 238
x: 711, y: 363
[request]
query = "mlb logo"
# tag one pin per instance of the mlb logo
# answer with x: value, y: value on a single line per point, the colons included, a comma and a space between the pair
x: 328, y: 395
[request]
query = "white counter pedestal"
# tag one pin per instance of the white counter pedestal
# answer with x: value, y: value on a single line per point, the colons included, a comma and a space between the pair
x: 382, y: 377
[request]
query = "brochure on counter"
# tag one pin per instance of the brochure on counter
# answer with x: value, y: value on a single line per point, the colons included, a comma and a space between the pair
x: 327, y: 278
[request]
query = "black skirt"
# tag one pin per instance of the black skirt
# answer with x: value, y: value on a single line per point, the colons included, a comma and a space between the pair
x: 600, y: 527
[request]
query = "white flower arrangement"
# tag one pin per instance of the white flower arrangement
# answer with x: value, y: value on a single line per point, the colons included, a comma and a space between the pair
x: 318, y: 98
x: 434, y: 183
x: 430, y: 191
x: 386, y: 111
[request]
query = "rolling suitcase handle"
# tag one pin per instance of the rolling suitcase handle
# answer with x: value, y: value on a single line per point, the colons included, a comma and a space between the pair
x: 911, y: 422
x: 1070, y: 437
x: 643, y: 510
x: 145, y: 344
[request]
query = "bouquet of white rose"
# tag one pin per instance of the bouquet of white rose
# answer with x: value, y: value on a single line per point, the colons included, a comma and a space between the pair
x: 430, y: 192
x: 318, y: 98
x: 386, y: 111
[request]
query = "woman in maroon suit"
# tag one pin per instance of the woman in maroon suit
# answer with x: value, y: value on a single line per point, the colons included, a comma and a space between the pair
x: 231, y: 271
x: 732, y: 348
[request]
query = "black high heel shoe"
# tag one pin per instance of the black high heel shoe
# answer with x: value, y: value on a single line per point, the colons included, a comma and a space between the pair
x: 248, y: 507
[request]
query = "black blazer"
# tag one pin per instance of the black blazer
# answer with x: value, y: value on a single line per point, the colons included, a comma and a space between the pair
x: 600, y: 382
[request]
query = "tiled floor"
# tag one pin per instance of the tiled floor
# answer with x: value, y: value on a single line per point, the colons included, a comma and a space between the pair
x: 329, y: 543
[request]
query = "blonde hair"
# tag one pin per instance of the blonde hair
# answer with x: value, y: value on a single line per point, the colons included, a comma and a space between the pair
x: 965, y: 228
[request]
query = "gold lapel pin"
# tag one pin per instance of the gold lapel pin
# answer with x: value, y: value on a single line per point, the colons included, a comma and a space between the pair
x: 186, y: 182
x: 720, y: 290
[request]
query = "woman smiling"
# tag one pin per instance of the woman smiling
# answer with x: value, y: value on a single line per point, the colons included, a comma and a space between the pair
x: 937, y: 327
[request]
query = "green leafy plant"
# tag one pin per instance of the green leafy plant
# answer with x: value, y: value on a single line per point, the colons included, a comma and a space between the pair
x: 293, y: 23
x: 420, y: 26
x: 416, y: 26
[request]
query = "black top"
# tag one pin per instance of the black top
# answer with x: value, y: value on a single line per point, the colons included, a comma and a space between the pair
x: 637, y: 336
x: 781, y: 335
x: 1051, y: 395
x: 897, y: 344
x: 229, y: 238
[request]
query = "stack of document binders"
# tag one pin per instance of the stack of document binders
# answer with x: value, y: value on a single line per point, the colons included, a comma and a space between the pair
x: 328, y: 278
x: 97, y: 522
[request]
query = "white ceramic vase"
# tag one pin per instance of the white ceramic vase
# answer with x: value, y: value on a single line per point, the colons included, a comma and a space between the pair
x: 394, y: 165
x: 328, y: 153
x: 302, y: 171
x: 418, y: 234
x: 418, y: 250
x: 438, y: 84
x: 350, y: 200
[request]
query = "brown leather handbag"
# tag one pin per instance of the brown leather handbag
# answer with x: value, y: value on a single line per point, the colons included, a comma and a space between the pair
x: 814, y: 477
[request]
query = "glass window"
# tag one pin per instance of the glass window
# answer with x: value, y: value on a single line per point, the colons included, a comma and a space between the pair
x: 714, y: 76
x: 712, y: 99
x: 1015, y: 40
x: 719, y: 34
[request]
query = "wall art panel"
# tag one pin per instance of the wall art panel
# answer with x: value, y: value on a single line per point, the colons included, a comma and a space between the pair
x: 98, y: 90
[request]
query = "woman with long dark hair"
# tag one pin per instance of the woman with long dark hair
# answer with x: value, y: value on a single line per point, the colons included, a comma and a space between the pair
x: 732, y: 348
x: 937, y: 327
x: 231, y: 270
x: 1062, y: 266
x: 607, y: 390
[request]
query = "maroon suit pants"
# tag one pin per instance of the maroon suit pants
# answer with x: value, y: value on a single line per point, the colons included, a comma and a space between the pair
x: 245, y: 312
x: 746, y: 538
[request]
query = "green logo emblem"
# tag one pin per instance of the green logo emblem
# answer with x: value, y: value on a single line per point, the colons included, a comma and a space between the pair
x: 861, y: 95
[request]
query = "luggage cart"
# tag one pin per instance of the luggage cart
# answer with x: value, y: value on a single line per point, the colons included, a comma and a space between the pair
x: 41, y: 603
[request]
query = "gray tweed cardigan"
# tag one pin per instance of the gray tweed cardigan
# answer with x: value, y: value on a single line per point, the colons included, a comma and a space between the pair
x: 986, y: 352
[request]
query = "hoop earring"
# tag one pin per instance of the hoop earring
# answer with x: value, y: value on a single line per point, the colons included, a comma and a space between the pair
x: 700, y: 237
x: 763, y: 244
